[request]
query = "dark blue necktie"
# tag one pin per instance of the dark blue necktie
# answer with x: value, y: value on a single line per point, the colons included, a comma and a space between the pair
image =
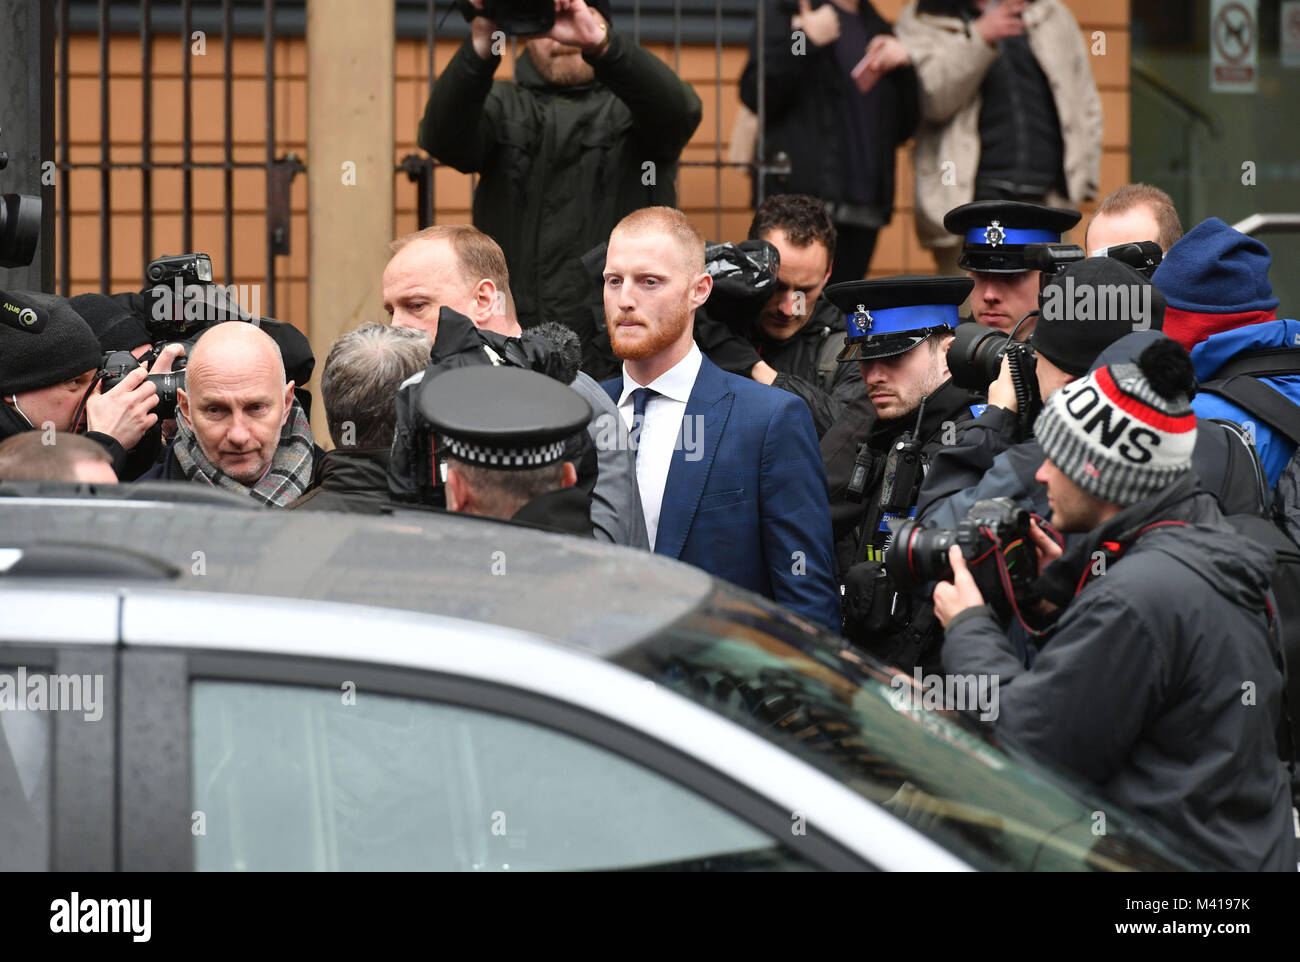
x: 640, y: 397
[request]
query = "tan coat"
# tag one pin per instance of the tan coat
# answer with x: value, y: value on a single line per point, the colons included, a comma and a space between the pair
x: 951, y: 66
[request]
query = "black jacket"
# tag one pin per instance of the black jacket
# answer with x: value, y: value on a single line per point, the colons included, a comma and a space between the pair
x: 1160, y: 683
x: 805, y: 363
x: 946, y: 409
x: 560, y: 166
x: 807, y: 94
x: 565, y: 510
x: 355, y: 481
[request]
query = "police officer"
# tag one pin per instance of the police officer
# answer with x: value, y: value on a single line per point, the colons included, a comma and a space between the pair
x: 898, y: 333
x: 997, y: 234
x: 502, y: 434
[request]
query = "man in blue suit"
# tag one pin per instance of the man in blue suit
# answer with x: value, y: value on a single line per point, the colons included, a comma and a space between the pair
x: 730, y: 474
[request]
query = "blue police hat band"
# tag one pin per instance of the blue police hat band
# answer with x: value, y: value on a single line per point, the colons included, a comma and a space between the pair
x: 900, y: 320
x: 995, y: 235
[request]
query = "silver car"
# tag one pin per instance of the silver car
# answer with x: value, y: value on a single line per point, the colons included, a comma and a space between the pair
x: 237, y: 689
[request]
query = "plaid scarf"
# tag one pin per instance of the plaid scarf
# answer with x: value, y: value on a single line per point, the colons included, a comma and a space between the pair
x: 286, y: 479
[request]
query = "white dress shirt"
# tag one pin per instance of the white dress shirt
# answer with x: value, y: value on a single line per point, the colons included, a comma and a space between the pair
x: 659, y: 433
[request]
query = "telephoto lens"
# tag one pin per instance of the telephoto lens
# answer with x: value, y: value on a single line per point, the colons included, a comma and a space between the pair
x: 118, y: 364
x: 975, y: 355
x: 918, y: 556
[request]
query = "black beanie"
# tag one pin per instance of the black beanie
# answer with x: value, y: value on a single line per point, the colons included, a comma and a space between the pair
x: 116, y: 327
x: 43, y: 341
x: 1089, y: 306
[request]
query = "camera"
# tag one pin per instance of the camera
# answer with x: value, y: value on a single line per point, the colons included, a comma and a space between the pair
x: 975, y: 360
x: 169, y: 281
x: 994, y: 539
x: 1143, y: 256
x: 516, y: 18
x: 1050, y: 259
x: 20, y: 225
x: 118, y: 364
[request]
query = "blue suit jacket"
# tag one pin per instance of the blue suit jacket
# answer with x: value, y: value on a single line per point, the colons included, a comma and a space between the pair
x: 748, y: 502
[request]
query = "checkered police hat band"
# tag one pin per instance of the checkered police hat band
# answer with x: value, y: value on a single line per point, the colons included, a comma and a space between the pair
x: 505, y: 458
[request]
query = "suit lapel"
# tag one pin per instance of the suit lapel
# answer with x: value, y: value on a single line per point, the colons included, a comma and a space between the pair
x: 709, y: 407
x: 613, y: 387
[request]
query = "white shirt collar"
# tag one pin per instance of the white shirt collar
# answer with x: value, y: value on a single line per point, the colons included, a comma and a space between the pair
x: 676, y: 382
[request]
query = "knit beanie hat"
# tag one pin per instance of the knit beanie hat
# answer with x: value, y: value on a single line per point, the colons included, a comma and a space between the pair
x: 43, y: 341
x: 1088, y: 307
x: 115, y: 326
x: 1214, y: 279
x: 1125, y: 431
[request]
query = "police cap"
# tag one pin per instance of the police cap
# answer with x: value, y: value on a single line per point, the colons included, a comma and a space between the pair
x: 891, y: 315
x: 505, y: 418
x: 996, y: 232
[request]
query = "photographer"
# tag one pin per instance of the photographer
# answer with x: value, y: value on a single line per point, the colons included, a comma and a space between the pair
x: 49, y: 378
x: 1160, y: 682
x: 590, y: 130
x: 899, y: 329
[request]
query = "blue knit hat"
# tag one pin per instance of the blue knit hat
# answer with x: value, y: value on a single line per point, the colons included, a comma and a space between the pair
x: 1214, y: 269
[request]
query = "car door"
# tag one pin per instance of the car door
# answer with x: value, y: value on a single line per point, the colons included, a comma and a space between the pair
x: 235, y: 759
x: 57, y: 724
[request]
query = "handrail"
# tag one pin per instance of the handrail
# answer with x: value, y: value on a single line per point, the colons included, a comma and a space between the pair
x: 1189, y: 108
x: 1278, y: 223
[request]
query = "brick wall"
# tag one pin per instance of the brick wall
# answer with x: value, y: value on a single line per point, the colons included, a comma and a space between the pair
x: 720, y: 214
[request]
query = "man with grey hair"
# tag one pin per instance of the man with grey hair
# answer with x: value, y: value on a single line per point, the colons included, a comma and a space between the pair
x: 362, y: 373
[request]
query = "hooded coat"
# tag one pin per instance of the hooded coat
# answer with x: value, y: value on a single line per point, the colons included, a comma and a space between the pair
x: 1160, y: 683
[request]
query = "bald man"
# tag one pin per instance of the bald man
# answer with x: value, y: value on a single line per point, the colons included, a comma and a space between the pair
x: 729, y: 472
x: 239, y: 426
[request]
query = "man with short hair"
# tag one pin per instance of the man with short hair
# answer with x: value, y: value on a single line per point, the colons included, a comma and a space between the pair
x: 591, y: 127
x: 796, y: 337
x: 49, y: 362
x: 504, y: 429
x: 239, y: 427
x: 899, y: 329
x: 729, y: 474
x: 359, y: 386
x: 1160, y: 683
x: 1134, y: 212
x: 452, y: 281
x: 70, y: 457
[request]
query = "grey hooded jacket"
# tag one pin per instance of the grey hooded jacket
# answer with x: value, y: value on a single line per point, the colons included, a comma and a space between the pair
x: 1160, y: 683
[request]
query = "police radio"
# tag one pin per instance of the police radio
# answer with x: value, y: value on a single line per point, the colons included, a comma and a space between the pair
x: 903, y: 470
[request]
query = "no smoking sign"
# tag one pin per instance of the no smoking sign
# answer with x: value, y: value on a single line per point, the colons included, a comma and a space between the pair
x: 1234, y: 46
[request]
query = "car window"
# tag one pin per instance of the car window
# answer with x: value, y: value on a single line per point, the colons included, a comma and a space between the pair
x: 25, y: 732
x: 985, y: 801
x: 300, y: 778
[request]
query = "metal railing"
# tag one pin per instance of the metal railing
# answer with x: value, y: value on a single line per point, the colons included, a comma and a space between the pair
x: 1279, y: 223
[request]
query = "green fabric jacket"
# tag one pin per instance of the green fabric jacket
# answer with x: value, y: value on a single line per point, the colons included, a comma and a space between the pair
x: 560, y: 166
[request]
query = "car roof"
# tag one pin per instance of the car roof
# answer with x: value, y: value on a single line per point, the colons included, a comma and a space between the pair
x: 598, y: 597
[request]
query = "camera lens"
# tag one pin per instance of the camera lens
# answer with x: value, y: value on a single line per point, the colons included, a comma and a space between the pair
x: 975, y: 355
x: 919, y: 555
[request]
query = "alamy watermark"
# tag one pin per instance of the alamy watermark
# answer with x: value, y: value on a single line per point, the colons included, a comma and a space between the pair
x: 22, y: 691
x: 210, y: 303
x: 946, y: 693
x: 613, y: 435
x: 1068, y: 301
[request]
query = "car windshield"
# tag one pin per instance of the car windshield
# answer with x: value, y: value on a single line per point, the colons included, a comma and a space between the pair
x: 870, y: 728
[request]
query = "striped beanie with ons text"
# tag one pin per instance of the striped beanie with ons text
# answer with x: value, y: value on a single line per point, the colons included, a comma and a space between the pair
x: 1125, y: 431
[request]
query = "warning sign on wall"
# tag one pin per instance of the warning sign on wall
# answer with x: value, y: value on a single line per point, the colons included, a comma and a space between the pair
x: 1234, y: 46
x: 1290, y: 33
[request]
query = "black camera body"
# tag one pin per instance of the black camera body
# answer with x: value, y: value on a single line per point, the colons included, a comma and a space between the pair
x: 118, y: 364
x: 975, y: 360
x: 20, y: 225
x: 167, y: 280
x: 516, y: 18
x: 996, y: 542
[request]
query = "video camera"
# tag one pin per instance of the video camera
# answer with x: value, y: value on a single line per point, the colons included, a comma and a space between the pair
x: 516, y: 18
x: 20, y: 225
x: 994, y: 539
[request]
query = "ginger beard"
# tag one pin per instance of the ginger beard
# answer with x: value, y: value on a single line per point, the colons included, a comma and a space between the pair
x: 646, y: 338
x: 560, y: 64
